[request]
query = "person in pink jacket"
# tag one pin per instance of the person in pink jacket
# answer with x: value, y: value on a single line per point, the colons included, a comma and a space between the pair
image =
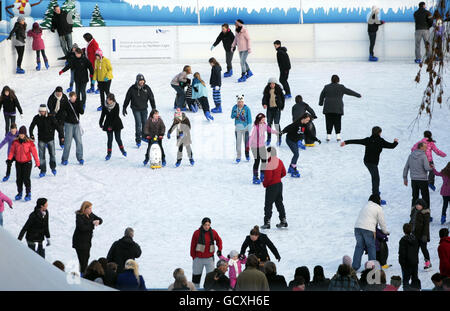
x: 38, y: 45
x: 257, y: 144
x: 234, y: 266
x: 445, y: 190
x: 428, y: 139
x: 242, y: 40
x: 3, y: 199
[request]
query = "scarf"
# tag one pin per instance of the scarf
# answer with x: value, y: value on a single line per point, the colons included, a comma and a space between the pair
x: 234, y: 263
x: 272, y: 101
x: 201, y: 241
x: 110, y: 106
x: 374, y: 18
x: 58, y: 103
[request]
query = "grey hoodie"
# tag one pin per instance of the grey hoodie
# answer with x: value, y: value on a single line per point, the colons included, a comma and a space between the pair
x: 418, y: 165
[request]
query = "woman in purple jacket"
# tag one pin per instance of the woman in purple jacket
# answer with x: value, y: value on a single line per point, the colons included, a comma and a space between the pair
x: 9, y: 138
x: 445, y: 190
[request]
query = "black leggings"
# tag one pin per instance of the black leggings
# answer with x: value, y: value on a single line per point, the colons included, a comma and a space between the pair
x: 23, y: 172
x: 115, y: 133
x: 147, y: 154
x: 259, y: 159
x: 423, y: 247
x: 83, y: 258
x: 103, y: 87
x: 8, y: 166
x: 333, y: 120
x: 8, y: 121
x: 38, y: 57
x: 20, y: 50
x: 372, y: 38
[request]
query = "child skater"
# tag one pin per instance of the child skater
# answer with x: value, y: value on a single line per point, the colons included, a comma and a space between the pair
x: 445, y: 190
x: 38, y: 45
x: 216, y: 81
x: 201, y: 94
x: 242, y: 122
x: 9, y: 138
x: 183, y: 126
x: 235, y: 266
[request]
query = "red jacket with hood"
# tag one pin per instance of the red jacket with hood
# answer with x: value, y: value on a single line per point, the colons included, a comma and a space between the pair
x: 22, y: 152
x: 444, y: 256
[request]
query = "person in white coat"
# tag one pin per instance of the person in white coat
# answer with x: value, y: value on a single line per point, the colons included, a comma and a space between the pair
x: 365, y: 228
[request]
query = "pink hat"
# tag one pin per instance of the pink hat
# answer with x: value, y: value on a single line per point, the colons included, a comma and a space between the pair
x: 369, y: 265
x: 99, y: 53
x: 346, y: 260
x: 178, y: 113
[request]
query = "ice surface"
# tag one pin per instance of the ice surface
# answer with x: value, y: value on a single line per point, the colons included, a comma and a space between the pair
x: 166, y: 206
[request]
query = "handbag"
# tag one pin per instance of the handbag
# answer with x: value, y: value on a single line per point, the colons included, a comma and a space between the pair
x: 79, y: 122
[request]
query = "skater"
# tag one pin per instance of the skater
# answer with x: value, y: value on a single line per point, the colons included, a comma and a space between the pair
x: 86, y: 221
x: 103, y: 75
x: 18, y: 35
x: 284, y: 64
x: 82, y: 71
x: 138, y: 95
x: 431, y: 147
x: 420, y: 223
x: 256, y: 144
x: 333, y: 106
x: 365, y: 228
x: 90, y: 51
x: 242, y: 40
x: 275, y: 171
x: 3, y: 199
x: 419, y: 166
x: 235, y: 266
x: 242, y: 124
x: 36, y: 228
x: 54, y: 104
x: 46, y: 125
x: 38, y: 45
x: 445, y: 190
x: 200, y: 93
x: 22, y: 149
x: 408, y: 256
x: 202, y: 250
x: 227, y: 38
x: 300, y: 108
x: 216, y: 81
x: 191, y: 103
x: 381, y: 247
x: 373, y: 23
x: 154, y: 128
x: 273, y: 102
x: 423, y: 20
x: 178, y: 83
x: 72, y: 128
x: 111, y: 123
x: 257, y: 243
x: 61, y: 23
x: 444, y: 253
x: 295, y: 133
x: 183, y: 130
x: 9, y: 138
x: 374, y: 146
x: 9, y: 102
x: 124, y: 249
x: 70, y: 57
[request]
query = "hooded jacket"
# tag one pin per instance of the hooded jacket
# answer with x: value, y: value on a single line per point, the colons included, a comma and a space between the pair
x: 9, y: 138
x: 300, y: 109
x: 431, y: 147
x: 408, y: 251
x: 371, y: 215
x: 36, y: 227
x: 38, y: 43
x: 122, y: 250
x: 374, y: 146
x: 444, y: 256
x: 418, y: 165
x: 331, y: 98
x: 139, y: 96
x: 283, y: 60
x: 46, y: 128
x: 242, y: 40
x: 102, y: 70
x: 226, y: 38
x: 23, y: 150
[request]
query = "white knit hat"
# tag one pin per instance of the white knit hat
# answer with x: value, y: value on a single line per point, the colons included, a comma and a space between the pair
x: 233, y: 253
x: 42, y: 108
x: 273, y: 80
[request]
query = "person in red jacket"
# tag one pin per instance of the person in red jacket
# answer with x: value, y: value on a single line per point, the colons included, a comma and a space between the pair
x: 91, y: 49
x: 444, y: 253
x: 202, y: 250
x: 22, y: 149
x: 275, y: 170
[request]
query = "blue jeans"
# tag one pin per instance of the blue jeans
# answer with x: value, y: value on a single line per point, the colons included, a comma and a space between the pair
x: 1, y: 219
x: 243, y: 57
x: 140, y: 117
x: 181, y: 96
x: 72, y: 78
x: 364, y: 239
x: 294, y: 148
x: 72, y: 131
x: 66, y: 43
x: 51, y: 150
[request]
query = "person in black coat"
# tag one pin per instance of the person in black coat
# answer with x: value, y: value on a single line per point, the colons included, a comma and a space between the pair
x: 83, y: 69
x: 372, y: 27
x: 54, y: 104
x: 9, y: 103
x: 423, y: 21
x: 227, y: 38
x: 86, y: 221
x: 139, y: 94
x: 420, y: 222
x: 36, y: 228
x: 257, y: 243
x: 46, y: 125
x: 319, y: 282
x: 19, y: 36
x: 124, y: 249
x: 273, y: 101
x: 111, y: 123
x: 61, y: 24
x: 408, y: 255
x: 276, y: 282
x: 300, y: 108
x: 374, y: 146
x: 284, y: 64
x: 217, y: 280
x: 333, y: 106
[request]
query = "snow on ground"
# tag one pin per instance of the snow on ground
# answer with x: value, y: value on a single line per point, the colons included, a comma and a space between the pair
x: 165, y: 206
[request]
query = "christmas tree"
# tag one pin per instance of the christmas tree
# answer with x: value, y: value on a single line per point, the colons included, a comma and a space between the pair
x: 97, y: 19
x: 47, y: 22
x: 69, y: 7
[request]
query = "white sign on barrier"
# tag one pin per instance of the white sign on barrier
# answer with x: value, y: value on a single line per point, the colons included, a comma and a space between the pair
x: 148, y: 42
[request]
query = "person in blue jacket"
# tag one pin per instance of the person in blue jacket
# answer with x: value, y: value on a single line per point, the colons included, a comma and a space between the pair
x: 130, y: 279
x: 243, y: 122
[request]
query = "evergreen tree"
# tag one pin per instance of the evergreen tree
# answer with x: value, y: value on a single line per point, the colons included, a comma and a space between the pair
x: 69, y: 7
x: 47, y: 22
x: 97, y: 19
